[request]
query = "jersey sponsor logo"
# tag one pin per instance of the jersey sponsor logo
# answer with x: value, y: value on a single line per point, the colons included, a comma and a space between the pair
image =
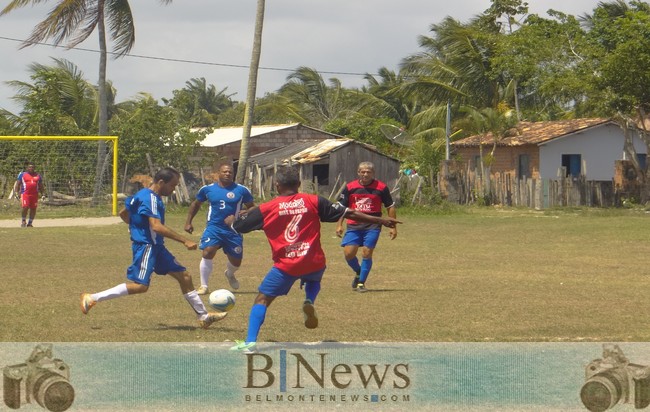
x: 294, y: 207
x: 363, y: 204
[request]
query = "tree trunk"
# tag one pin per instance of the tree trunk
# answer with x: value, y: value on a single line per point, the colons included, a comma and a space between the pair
x: 102, y: 106
x: 250, y: 93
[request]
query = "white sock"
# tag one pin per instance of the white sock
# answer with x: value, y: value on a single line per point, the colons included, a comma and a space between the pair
x: 205, y: 269
x: 112, y: 293
x: 195, y: 301
x: 231, y: 269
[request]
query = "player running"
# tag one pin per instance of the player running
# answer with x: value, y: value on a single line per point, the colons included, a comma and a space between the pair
x: 225, y: 198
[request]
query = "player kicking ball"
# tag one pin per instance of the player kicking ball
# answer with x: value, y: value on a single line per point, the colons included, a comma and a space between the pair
x: 145, y: 214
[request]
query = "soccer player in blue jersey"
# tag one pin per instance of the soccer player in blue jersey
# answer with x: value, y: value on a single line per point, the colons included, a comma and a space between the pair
x: 144, y: 212
x: 225, y: 198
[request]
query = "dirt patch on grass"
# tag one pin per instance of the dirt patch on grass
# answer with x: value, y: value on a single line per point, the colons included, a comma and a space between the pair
x: 62, y: 222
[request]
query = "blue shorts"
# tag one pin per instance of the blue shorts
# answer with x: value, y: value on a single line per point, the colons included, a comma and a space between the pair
x: 232, y: 243
x: 279, y: 283
x: 367, y: 238
x: 151, y: 258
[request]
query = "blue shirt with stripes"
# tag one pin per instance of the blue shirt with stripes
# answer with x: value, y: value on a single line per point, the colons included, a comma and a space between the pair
x: 141, y: 206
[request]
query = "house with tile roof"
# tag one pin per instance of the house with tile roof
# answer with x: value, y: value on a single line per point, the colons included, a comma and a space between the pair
x: 577, y: 147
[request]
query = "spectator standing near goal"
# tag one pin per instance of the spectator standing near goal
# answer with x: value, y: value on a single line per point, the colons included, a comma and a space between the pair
x: 365, y: 194
x: 291, y: 223
x: 144, y: 212
x: 27, y: 188
x: 225, y: 198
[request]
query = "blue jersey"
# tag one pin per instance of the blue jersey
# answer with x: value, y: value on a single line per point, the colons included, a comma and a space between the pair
x: 224, y: 201
x: 141, y: 206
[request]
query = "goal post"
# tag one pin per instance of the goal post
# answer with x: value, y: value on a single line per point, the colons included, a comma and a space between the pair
x: 68, y: 164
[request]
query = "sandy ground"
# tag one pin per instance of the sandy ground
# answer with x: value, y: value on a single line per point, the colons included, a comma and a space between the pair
x: 68, y: 221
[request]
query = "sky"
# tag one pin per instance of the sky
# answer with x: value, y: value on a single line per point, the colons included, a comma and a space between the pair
x: 213, y: 39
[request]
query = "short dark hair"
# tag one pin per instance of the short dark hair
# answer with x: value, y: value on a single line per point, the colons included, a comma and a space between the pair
x: 288, y: 176
x: 166, y: 174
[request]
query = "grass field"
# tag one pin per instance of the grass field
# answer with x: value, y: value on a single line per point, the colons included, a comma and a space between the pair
x: 467, y: 275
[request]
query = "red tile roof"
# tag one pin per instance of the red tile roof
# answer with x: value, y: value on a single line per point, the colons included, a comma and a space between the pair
x: 534, y: 133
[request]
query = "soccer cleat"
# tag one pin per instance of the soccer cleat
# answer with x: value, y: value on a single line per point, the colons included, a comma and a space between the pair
x: 202, y: 290
x: 86, y: 302
x: 212, y: 317
x: 243, y: 347
x: 234, y: 283
x: 355, y: 282
x: 30, y: 225
x: 23, y: 224
x: 361, y: 288
x: 311, y: 320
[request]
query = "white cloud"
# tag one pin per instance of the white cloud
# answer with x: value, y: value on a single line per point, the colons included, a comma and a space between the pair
x: 355, y: 36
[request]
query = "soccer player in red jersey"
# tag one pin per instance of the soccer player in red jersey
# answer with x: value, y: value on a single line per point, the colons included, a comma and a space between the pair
x: 366, y: 194
x: 28, y: 185
x: 291, y: 223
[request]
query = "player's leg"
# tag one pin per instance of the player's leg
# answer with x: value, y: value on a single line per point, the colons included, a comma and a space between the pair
x: 351, y: 242
x: 32, y: 212
x: 233, y: 247
x: 370, y: 238
x: 205, y: 268
x: 138, y: 278
x: 167, y: 264
x: 312, y: 284
x: 275, y: 283
x: 24, y: 204
x: 209, y: 244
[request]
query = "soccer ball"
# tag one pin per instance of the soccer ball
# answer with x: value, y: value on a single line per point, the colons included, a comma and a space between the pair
x: 222, y: 300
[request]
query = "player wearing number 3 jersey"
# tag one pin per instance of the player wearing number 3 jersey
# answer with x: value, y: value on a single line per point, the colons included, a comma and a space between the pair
x: 225, y: 198
x: 291, y: 223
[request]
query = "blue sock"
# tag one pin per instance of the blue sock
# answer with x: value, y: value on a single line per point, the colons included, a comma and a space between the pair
x: 354, y: 264
x: 366, y: 265
x: 311, y: 290
x: 255, y: 321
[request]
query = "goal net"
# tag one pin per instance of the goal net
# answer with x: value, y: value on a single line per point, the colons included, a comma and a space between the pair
x: 71, y: 168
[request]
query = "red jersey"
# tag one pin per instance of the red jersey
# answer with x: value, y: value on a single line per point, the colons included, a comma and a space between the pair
x: 29, y: 183
x: 292, y: 227
x: 367, y: 199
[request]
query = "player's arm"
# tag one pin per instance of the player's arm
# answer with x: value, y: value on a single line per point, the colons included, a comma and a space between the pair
x: 343, y: 201
x: 17, y: 188
x: 124, y: 215
x: 389, y: 204
x: 392, y: 212
x: 195, y: 206
x: 333, y: 212
x: 157, y: 226
x: 41, y: 187
x: 252, y: 220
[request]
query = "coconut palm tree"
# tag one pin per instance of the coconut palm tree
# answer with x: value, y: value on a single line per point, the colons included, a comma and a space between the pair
x: 251, y: 90
x: 74, y: 21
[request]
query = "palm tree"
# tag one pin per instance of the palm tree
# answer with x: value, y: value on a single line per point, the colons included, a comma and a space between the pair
x: 75, y: 21
x: 59, y: 100
x: 312, y: 98
x: 250, y: 92
x: 199, y: 104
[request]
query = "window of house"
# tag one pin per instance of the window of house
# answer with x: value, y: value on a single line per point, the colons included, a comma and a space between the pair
x: 477, y: 162
x: 523, y: 166
x: 572, y: 164
x: 322, y: 173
